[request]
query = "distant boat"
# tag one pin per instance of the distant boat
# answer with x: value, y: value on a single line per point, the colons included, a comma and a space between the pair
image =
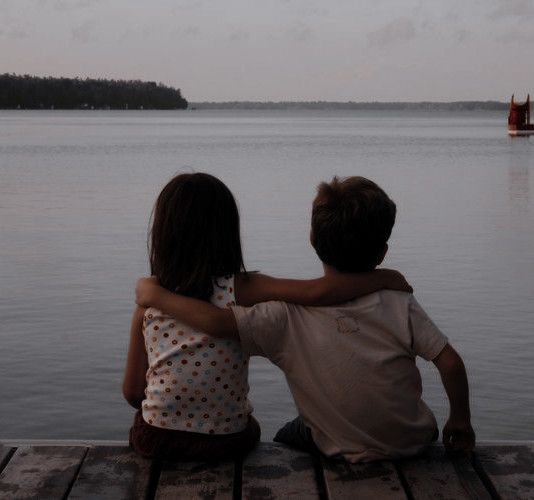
x: 519, y: 118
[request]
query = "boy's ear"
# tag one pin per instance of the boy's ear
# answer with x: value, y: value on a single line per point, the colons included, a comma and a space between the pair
x: 312, y: 238
x: 382, y: 255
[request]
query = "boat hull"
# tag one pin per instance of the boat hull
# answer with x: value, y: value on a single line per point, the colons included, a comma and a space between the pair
x: 515, y: 132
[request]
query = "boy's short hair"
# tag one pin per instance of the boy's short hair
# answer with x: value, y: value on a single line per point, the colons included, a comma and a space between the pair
x: 352, y: 219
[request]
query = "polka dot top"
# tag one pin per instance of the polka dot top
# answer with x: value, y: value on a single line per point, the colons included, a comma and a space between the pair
x: 195, y: 383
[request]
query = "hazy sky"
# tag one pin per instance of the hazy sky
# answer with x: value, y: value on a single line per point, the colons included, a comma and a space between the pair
x: 360, y: 50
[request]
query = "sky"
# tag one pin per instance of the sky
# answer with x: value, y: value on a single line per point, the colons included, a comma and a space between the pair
x: 281, y: 50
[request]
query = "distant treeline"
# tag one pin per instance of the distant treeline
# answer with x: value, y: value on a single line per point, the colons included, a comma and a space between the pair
x: 31, y: 92
x: 430, y: 106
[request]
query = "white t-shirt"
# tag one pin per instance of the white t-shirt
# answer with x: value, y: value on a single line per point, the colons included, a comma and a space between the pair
x: 195, y: 383
x: 351, y: 369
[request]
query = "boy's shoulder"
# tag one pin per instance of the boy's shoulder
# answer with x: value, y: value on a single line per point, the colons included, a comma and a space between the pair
x: 393, y: 300
x: 388, y: 302
x: 391, y: 309
x: 391, y: 305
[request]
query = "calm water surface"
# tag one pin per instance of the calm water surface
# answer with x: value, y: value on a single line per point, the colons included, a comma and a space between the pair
x: 76, y: 191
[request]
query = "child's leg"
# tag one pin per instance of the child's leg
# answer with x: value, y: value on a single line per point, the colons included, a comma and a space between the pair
x: 297, y: 435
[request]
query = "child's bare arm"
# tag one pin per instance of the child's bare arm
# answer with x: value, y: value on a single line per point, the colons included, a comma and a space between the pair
x: 196, y: 313
x: 332, y: 288
x: 254, y: 288
x: 134, y: 383
x: 457, y: 432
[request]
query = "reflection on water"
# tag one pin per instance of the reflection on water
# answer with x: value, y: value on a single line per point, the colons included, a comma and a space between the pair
x: 520, y: 159
x: 76, y: 190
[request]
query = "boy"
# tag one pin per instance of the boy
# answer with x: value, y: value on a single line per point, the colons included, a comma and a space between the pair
x: 351, y: 368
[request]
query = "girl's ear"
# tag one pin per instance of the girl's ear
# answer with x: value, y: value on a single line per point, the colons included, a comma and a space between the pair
x: 382, y: 255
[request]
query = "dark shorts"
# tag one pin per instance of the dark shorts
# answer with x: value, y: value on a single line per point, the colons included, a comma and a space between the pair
x: 297, y: 435
x: 181, y: 446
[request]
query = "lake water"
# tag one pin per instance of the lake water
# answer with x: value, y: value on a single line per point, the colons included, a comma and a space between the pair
x: 77, y: 188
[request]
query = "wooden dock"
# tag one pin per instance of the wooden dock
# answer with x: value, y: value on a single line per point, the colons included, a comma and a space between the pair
x: 109, y: 470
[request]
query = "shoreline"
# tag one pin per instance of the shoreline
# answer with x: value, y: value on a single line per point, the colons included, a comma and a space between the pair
x: 427, y: 106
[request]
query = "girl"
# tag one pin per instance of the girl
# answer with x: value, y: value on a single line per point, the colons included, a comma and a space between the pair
x: 190, y: 389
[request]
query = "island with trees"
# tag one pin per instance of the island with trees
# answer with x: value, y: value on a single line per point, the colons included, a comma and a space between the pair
x: 32, y: 92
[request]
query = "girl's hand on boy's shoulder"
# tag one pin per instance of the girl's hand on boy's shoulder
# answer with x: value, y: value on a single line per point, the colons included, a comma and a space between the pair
x: 145, y: 291
x: 393, y: 280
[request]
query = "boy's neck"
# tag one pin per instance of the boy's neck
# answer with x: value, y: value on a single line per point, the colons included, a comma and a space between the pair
x: 329, y: 270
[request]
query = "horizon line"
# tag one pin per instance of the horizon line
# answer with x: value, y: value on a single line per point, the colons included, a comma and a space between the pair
x: 324, y: 101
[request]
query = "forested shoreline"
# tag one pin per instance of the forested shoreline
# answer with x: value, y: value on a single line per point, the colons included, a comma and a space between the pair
x: 32, y: 92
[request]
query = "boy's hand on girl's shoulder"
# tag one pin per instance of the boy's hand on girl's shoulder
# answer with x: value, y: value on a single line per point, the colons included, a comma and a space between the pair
x: 145, y: 291
x: 393, y: 280
x: 458, y: 436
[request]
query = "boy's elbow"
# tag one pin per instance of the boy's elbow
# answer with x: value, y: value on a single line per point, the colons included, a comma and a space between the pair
x: 448, y: 360
x: 222, y: 324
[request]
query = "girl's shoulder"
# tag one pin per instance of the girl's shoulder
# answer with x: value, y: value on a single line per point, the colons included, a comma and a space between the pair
x: 225, y: 283
x: 153, y: 316
x: 224, y: 294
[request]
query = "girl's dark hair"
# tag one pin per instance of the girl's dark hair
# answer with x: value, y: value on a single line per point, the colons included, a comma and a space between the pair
x: 194, y: 235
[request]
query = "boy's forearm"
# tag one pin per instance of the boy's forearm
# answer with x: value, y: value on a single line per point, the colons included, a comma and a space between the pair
x: 457, y: 434
x: 457, y: 391
x: 196, y: 313
x: 454, y: 378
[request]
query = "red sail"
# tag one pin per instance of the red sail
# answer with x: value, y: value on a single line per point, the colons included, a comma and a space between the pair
x: 519, y: 117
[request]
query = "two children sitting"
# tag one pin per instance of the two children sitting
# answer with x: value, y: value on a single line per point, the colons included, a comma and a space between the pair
x: 350, y: 366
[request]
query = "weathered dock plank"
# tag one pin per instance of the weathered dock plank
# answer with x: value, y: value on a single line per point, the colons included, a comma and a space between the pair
x: 16, y: 443
x: 436, y: 474
x: 40, y: 472
x: 272, y: 471
x: 196, y: 480
x: 276, y: 471
x: 510, y: 468
x: 112, y: 472
x: 363, y: 481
